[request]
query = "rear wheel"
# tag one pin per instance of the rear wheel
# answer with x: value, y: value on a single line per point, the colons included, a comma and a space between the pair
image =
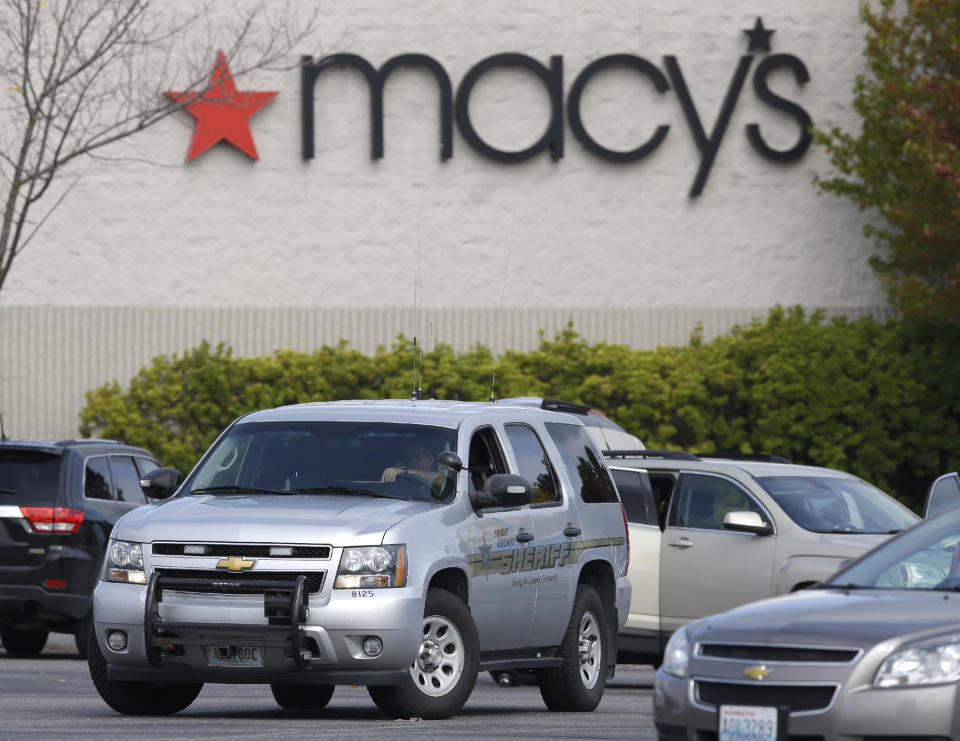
x: 138, y: 698
x: 302, y: 696
x: 444, y: 672
x: 578, y: 683
x: 23, y: 642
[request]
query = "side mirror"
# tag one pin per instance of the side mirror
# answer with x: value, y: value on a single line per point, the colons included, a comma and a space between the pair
x: 451, y: 460
x: 505, y: 490
x: 944, y: 493
x: 160, y: 483
x: 747, y: 522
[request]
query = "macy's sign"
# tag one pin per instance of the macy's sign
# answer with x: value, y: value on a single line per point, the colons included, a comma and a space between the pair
x: 551, y: 76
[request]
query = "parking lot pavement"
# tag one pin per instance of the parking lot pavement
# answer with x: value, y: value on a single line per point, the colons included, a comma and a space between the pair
x: 51, y: 695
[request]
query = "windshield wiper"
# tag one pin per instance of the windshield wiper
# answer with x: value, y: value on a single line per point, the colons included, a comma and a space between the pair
x: 847, y: 587
x: 234, y: 489
x: 342, y: 490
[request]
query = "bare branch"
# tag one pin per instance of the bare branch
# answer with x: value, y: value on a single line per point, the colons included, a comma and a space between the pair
x: 84, y: 74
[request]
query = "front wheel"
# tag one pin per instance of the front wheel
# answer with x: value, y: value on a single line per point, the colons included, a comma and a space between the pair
x: 302, y: 696
x: 578, y: 683
x: 138, y: 698
x: 81, y: 634
x: 444, y: 671
x: 23, y: 642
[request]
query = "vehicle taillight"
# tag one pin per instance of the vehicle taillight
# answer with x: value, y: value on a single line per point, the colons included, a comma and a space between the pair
x: 52, y: 520
x: 626, y: 534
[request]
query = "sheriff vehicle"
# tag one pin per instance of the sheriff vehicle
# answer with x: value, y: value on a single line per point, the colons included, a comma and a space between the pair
x: 400, y: 545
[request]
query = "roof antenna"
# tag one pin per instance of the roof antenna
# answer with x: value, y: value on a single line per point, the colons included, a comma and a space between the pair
x: 433, y: 348
x: 417, y: 394
x: 3, y: 435
x: 503, y: 290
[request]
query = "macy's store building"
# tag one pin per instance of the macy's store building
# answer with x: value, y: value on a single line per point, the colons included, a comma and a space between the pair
x: 504, y: 167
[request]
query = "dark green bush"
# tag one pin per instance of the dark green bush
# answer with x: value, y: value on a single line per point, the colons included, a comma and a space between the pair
x: 877, y: 399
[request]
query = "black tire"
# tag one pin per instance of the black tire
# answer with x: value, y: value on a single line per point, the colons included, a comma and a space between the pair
x: 302, y: 696
x: 138, y: 698
x: 577, y: 685
x: 81, y: 634
x: 438, y: 691
x: 23, y: 642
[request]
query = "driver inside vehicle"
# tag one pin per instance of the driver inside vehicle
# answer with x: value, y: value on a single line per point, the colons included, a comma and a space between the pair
x: 417, y: 461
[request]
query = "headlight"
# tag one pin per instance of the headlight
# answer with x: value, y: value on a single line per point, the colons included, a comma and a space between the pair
x: 124, y: 563
x: 677, y: 653
x: 931, y: 662
x: 372, y: 567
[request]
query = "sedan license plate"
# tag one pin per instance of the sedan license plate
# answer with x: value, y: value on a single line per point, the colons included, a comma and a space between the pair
x: 747, y: 723
x: 236, y: 656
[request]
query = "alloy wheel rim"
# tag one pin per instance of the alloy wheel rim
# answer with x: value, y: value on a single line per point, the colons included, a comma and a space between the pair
x: 439, y: 663
x: 588, y: 650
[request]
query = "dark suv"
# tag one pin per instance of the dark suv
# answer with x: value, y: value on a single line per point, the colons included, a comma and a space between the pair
x: 58, y: 504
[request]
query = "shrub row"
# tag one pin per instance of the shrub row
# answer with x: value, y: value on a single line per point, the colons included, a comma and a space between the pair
x: 877, y: 399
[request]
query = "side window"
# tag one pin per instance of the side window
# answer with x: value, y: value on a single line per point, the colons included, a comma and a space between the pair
x: 145, y: 465
x: 583, y: 463
x: 126, y: 478
x: 704, y: 500
x: 485, y: 458
x: 636, y: 496
x: 533, y: 463
x: 96, y: 479
x: 663, y: 483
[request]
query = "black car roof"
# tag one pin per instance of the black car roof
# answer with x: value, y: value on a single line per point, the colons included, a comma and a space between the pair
x: 88, y: 445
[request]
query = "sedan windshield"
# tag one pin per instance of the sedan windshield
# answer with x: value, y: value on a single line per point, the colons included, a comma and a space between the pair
x: 841, y: 504
x: 924, y: 557
x: 398, y: 461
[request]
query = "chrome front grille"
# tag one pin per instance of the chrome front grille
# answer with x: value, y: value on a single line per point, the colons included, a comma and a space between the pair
x: 243, y: 550
x: 764, y: 653
x: 244, y: 582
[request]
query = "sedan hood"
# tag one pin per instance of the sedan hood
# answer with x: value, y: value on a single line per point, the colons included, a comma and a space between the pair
x: 834, y: 617
x: 337, y: 520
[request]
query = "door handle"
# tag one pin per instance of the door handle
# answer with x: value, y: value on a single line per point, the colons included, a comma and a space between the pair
x: 524, y: 537
x: 682, y: 543
x: 571, y: 530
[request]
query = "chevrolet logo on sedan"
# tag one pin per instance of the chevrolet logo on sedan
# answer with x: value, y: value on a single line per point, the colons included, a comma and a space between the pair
x: 757, y: 672
x: 234, y: 563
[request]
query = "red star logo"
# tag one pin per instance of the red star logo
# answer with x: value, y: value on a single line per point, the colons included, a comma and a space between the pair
x: 222, y: 112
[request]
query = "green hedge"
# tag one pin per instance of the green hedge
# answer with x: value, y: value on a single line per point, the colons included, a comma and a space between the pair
x: 877, y: 399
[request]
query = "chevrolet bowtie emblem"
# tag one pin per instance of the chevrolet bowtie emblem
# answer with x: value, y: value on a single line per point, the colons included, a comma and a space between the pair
x: 757, y: 672
x: 234, y: 563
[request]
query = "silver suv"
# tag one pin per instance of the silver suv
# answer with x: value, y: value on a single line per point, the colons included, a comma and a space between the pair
x: 709, y: 534
x: 401, y: 545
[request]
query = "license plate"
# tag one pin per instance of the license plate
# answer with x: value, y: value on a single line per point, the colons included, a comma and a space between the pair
x: 747, y: 723
x: 236, y: 656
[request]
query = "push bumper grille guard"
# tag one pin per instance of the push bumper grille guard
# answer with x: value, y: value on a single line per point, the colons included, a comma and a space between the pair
x: 285, y: 603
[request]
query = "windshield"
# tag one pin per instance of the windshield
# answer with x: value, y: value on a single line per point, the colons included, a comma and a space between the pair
x: 398, y: 461
x: 925, y: 557
x: 827, y: 504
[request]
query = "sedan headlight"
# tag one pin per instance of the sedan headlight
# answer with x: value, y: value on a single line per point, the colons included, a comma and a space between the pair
x: 372, y: 567
x: 930, y: 662
x: 676, y: 655
x: 124, y: 563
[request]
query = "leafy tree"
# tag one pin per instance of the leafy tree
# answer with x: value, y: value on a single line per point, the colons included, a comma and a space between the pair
x: 877, y: 399
x: 79, y: 75
x: 904, y: 165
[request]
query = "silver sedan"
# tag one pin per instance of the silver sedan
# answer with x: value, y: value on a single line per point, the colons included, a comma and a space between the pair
x: 872, y: 654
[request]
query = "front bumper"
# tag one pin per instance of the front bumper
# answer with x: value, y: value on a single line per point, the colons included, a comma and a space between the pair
x: 176, y: 644
x: 853, y: 713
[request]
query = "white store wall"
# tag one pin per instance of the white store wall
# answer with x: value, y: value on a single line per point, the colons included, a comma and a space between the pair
x: 152, y: 237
